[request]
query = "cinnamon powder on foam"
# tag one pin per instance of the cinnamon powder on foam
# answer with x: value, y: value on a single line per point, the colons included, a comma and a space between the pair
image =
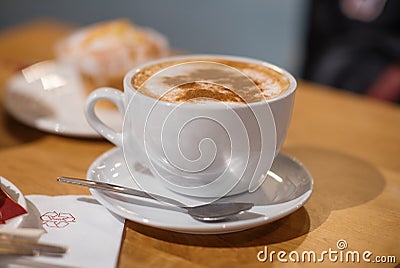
x: 269, y: 81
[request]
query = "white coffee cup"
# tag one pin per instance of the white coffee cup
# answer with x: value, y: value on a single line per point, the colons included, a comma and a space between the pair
x: 207, y: 149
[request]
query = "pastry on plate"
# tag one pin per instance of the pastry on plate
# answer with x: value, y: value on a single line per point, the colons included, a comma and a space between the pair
x: 105, y: 51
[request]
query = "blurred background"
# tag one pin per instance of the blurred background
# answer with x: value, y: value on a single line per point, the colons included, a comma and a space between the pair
x: 350, y: 44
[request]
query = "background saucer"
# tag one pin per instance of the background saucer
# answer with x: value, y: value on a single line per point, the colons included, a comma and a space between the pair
x: 49, y: 96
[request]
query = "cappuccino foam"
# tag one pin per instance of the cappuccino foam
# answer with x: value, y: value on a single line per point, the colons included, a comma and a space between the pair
x: 200, y: 80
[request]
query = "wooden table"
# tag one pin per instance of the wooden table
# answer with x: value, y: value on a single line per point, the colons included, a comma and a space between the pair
x: 350, y: 144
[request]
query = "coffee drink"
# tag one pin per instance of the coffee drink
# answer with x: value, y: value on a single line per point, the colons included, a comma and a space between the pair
x: 205, y: 125
x: 202, y: 80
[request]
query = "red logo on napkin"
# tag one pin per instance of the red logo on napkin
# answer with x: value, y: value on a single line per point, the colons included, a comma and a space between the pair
x: 8, y: 207
x: 57, y: 219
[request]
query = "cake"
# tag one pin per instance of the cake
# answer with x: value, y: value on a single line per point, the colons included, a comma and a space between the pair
x: 104, y: 52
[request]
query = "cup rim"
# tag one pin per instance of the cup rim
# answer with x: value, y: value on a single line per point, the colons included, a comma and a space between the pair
x: 292, y: 86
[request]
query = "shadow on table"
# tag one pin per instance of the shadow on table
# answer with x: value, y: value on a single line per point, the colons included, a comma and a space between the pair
x: 18, y: 132
x: 340, y: 181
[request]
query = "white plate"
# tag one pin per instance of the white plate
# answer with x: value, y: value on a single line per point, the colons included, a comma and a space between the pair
x: 15, y: 194
x: 49, y: 96
x: 276, y: 198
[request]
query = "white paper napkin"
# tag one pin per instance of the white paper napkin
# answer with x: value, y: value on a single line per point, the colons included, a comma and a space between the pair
x: 91, y: 233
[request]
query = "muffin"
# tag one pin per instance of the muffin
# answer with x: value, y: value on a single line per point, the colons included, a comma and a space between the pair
x: 104, y: 52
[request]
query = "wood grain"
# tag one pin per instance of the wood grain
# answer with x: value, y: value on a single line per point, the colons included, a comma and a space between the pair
x: 351, y: 145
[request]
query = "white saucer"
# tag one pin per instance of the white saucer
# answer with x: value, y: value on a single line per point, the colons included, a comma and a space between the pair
x: 276, y: 198
x: 15, y: 194
x: 49, y: 96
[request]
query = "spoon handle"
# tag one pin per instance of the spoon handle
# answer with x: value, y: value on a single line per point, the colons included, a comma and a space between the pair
x: 119, y: 189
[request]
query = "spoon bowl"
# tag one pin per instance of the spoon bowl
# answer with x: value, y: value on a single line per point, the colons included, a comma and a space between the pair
x: 214, y: 212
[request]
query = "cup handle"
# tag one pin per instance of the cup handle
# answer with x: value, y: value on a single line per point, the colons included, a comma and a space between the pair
x: 110, y: 94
